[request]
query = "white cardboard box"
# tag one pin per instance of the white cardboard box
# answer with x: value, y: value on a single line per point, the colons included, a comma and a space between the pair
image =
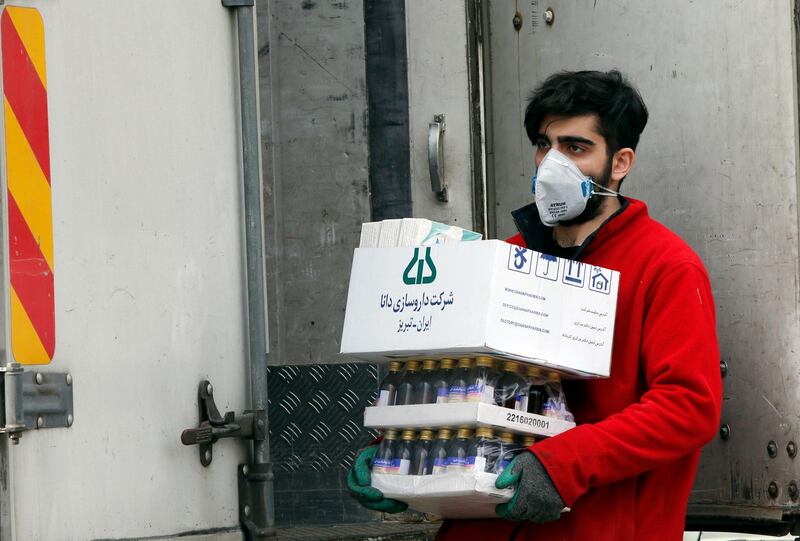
x: 478, y: 297
x: 449, y: 495
x: 370, y: 234
x: 411, y: 232
x: 389, y: 233
x: 465, y: 413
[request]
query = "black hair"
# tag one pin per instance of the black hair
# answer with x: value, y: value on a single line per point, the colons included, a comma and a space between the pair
x: 608, y: 94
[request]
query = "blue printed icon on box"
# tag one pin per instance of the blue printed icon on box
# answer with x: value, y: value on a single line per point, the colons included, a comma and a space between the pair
x: 574, y: 273
x: 600, y: 280
x: 547, y: 267
x: 519, y: 259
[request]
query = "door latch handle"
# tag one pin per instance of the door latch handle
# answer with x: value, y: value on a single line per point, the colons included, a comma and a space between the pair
x: 208, y: 433
x: 436, y: 131
x: 195, y: 436
x: 252, y: 425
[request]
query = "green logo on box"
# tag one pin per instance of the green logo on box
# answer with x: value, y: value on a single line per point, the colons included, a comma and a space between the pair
x: 419, y: 264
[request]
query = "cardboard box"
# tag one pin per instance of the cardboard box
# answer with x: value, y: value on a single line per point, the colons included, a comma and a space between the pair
x: 463, y: 414
x: 481, y: 297
x: 411, y: 232
x: 389, y: 233
x: 449, y: 495
x: 370, y: 234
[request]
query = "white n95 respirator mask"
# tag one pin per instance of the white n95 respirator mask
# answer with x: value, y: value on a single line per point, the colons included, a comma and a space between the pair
x: 561, y: 190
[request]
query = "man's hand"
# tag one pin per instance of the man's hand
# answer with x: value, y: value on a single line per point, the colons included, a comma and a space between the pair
x: 535, y: 499
x: 359, y: 480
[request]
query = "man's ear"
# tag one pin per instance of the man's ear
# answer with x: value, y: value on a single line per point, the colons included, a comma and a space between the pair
x: 621, y: 164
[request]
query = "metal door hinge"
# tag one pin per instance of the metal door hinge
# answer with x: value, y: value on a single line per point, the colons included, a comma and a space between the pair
x: 34, y: 400
x: 253, y: 494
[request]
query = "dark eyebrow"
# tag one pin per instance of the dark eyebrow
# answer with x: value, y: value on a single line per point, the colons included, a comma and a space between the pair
x: 566, y: 139
x: 575, y: 139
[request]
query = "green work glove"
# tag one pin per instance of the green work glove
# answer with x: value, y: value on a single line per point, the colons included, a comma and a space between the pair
x: 358, y: 481
x: 536, y: 498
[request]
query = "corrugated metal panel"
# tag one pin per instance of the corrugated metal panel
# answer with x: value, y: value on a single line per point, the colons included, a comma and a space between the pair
x: 316, y: 429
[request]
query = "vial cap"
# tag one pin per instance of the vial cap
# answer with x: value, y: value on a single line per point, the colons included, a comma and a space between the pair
x: 484, y: 432
x: 464, y: 433
x: 554, y: 376
x: 426, y: 435
x: 533, y: 371
x: 444, y: 434
x: 465, y: 362
x: 527, y: 441
x: 484, y: 361
x: 395, y: 366
x: 409, y: 435
x: 390, y: 434
x: 412, y: 365
x: 507, y: 437
x: 428, y: 364
x: 447, y: 363
x: 511, y: 366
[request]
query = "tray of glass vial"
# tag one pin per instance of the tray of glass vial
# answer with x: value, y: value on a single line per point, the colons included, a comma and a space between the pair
x: 505, y: 395
x: 447, y: 472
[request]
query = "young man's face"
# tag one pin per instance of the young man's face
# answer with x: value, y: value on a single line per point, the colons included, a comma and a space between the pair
x: 577, y: 138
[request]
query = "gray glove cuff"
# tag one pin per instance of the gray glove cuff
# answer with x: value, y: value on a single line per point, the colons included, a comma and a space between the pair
x: 536, y: 498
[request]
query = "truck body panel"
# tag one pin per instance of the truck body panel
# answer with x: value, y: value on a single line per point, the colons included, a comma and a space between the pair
x: 146, y: 189
x: 717, y: 164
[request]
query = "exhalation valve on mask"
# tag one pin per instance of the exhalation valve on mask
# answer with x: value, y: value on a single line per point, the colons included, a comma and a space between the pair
x: 561, y: 189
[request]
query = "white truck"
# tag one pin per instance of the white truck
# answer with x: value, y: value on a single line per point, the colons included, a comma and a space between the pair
x: 135, y: 159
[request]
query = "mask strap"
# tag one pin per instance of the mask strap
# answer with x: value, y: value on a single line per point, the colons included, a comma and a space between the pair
x: 608, y: 192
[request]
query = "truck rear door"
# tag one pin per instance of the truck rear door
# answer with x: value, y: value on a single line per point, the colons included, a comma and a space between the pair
x: 121, y: 176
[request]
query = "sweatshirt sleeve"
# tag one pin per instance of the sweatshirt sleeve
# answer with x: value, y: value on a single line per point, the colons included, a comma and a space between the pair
x: 680, y: 409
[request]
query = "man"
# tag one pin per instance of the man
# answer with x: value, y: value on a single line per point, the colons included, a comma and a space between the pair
x: 627, y: 469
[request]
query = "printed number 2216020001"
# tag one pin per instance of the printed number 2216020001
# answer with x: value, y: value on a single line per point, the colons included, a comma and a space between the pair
x: 527, y: 421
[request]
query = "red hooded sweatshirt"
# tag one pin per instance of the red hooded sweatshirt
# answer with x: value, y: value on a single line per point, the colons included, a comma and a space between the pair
x: 627, y: 469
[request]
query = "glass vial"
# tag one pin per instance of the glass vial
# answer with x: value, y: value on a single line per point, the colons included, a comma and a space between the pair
x: 385, y: 460
x: 481, y: 381
x: 511, y: 388
x: 483, y: 451
x: 426, y: 389
x: 405, y: 451
x: 438, y: 456
x: 420, y: 465
x: 508, y: 450
x: 537, y: 392
x: 387, y: 392
x: 443, y: 378
x: 457, y: 452
x: 406, y: 390
x: 555, y: 404
x: 458, y: 385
